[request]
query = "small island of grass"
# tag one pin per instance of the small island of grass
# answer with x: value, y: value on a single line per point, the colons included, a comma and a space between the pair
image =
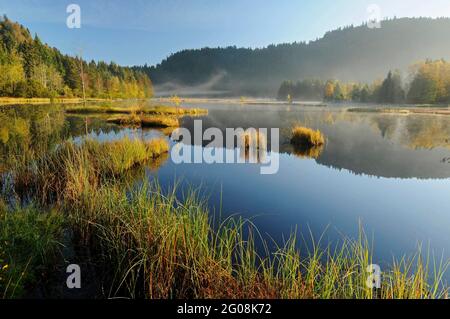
x: 303, y: 136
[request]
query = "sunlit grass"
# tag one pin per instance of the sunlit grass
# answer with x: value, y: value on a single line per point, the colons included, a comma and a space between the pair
x: 135, y: 109
x: 64, y: 173
x: 306, y: 136
x: 156, y: 121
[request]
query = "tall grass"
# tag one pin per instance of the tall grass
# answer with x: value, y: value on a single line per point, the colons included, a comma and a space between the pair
x: 29, y: 245
x: 64, y: 173
x: 157, y: 246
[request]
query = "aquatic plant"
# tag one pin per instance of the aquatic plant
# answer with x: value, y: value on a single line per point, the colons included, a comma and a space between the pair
x: 156, y: 121
x: 72, y: 168
x: 136, y: 109
x: 306, y: 136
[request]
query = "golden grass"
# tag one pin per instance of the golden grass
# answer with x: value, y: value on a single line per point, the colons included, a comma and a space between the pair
x: 31, y: 101
x: 163, y: 110
x: 306, y: 136
x: 156, y: 121
x: 138, y: 109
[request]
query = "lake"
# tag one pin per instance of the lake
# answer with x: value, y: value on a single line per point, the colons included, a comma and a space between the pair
x: 389, y: 173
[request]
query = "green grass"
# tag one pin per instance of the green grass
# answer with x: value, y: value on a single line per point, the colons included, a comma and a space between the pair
x: 306, y: 136
x: 64, y: 173
x: 29, y: 245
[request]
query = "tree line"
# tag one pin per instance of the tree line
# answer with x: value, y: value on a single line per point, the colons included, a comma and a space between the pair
x: 351, y: 54
x: 429, y: 84
x: 30, y: 68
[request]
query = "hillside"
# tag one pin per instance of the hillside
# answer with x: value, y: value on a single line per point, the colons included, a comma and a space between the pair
x: 30, y: 68
x: 348, y: 54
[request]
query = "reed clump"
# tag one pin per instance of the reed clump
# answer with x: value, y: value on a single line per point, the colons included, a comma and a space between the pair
x: 307, y: 137
x: 71, y: 169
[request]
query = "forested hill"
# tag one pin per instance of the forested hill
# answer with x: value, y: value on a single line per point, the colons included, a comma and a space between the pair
x: 30, y: 68
x: 348, y: 54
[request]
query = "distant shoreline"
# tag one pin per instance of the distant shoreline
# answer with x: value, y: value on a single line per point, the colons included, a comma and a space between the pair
x: 32, y: 101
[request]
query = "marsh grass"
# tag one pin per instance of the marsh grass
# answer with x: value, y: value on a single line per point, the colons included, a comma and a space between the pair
x: 170, y: 110
x: 155, y: 121
x: 64, y: 173
x: 29, y: 246
x: 306, y: 136
x: 136, y: 109
x: 157, y: 246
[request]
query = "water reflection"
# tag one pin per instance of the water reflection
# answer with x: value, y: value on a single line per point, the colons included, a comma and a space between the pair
x: 383, y: 145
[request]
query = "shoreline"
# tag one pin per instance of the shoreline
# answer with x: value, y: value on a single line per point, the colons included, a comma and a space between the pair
x: 6, y: 101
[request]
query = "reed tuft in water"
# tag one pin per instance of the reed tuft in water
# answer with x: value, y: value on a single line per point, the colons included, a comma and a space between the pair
x: 306, y: 136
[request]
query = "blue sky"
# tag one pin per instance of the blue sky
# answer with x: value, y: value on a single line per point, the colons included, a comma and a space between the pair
x: 132, y: 32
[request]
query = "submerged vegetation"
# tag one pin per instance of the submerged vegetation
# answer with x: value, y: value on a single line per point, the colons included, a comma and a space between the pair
x: 303, y: 136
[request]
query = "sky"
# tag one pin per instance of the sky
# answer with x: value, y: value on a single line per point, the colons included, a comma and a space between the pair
x: 137, y: 32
